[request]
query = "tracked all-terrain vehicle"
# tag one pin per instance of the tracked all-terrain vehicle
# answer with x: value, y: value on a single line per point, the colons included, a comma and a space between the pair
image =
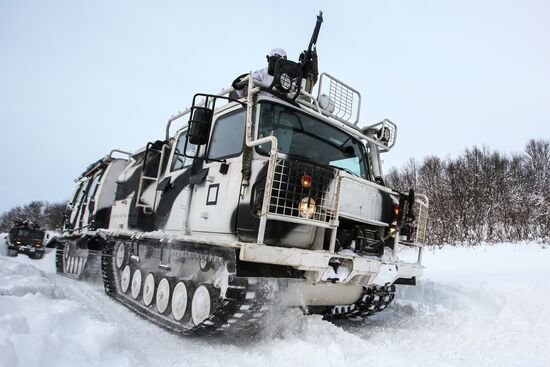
x: 271, y: 197
x: 26, y: 237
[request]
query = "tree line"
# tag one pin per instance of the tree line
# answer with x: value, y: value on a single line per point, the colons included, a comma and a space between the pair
x: 483, y: 195
x: 48, y: 215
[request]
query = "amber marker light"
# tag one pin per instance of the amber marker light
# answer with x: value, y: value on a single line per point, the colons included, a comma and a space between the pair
x: 306, y: 180
x: 396, y: 209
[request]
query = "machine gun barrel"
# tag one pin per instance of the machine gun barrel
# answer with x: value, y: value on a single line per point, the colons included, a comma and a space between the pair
x: 308, y: 58
x: 315, y: 34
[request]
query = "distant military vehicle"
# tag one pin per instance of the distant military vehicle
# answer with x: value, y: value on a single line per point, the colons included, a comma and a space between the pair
x: 26, y: 237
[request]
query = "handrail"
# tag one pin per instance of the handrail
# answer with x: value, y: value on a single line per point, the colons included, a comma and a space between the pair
x: 188, y: 109
x: 319, y: 90
x: 254, y: 88
x: 110, y: 155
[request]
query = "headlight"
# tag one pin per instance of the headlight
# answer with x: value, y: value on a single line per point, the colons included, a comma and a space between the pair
x: 326, y: 103
x: 307, y: 207
x: 285, y: 81
x: 393, y: 228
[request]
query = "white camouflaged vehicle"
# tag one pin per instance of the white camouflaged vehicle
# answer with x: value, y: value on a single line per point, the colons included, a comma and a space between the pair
x: 274, y: 198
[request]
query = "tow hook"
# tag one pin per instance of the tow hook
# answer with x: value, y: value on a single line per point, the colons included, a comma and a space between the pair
x: 335, y: 263
x: 338, y: 270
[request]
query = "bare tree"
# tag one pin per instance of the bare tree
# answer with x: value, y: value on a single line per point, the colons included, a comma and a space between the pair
x: 482, y: 195
x: 48, y: 216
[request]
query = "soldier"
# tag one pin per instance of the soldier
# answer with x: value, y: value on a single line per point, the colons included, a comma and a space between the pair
x: 265, y: 75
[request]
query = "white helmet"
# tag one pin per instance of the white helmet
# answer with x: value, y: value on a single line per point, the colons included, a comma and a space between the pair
x: 278, y: 51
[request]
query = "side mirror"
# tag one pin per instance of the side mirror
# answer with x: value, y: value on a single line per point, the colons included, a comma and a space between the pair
x: 384, y: 135
x: 200, y: 123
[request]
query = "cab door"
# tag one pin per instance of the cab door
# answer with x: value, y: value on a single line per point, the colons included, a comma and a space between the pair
x: 216, y: 197
x: 175, y: 188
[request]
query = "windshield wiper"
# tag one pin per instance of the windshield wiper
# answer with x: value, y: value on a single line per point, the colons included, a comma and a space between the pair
x: 310, y: 160
x: 346, y: 169
x: 300, y: 157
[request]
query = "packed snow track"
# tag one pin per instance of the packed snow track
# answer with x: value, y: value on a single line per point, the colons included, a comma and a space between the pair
x: 492, y: 310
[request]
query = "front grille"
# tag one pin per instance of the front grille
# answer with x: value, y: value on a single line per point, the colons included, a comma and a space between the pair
x: 287, y: 190
x: 421, y: 212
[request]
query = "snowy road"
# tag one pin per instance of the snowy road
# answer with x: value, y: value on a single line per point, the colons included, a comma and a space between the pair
x: 487, y: 306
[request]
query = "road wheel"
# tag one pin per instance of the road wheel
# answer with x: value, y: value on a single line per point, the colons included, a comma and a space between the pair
x: 163, y: 295
x: 125, y: 278
x: 149, y: 289
x: 136, y: 284
x: 204, y: 303
x: 181, y: 301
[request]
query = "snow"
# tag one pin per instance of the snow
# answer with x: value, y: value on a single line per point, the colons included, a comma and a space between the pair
x: 483, y: 306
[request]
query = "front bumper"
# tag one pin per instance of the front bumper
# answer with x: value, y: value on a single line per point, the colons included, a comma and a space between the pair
x: 27, y: 249
x: 320, y: 265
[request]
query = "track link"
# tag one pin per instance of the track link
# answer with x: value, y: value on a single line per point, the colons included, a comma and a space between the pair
x: 373, y: 300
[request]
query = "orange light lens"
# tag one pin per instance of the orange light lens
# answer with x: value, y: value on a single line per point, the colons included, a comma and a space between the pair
x: 306, y: 180
x: 396, y: 209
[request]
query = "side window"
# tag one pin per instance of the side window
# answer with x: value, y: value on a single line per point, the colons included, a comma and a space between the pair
x: 228, y: 136
x: 180, y: 160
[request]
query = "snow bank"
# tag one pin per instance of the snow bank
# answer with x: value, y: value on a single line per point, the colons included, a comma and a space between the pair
x: 475, y: 307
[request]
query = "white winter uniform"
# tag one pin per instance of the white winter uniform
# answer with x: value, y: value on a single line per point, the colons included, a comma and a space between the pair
x: 261, y: 76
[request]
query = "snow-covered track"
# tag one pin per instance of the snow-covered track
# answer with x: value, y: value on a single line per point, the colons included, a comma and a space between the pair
x: 194, y: 293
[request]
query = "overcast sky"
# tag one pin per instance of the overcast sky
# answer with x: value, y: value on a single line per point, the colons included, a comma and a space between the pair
x: 78, y: 78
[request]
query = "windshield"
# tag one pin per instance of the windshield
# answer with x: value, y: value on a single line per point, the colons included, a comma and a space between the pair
x: 29, y: 233
x: 302, y: 136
